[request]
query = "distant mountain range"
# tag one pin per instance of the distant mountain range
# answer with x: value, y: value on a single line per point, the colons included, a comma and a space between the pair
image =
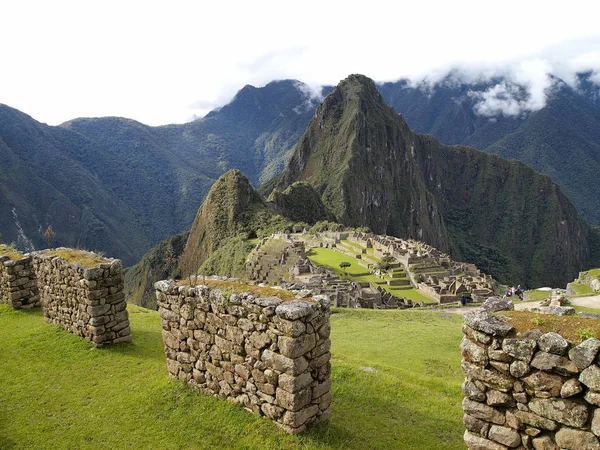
x: 561, y: 140
x: 119, y: 186
x: 116, y: 185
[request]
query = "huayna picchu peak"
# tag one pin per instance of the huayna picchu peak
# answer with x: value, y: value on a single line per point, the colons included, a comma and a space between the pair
x: 372, y: 170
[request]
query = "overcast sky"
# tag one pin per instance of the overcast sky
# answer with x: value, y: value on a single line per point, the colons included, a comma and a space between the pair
x: 166, y: 62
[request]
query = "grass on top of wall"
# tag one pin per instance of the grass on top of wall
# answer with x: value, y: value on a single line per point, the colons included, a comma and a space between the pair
x: 81, y: 257
x: 396, y: 384
x: 12, y: 254
x: 239, y: 287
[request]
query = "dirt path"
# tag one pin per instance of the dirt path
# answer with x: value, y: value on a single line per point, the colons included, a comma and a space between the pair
x: 592, y: 301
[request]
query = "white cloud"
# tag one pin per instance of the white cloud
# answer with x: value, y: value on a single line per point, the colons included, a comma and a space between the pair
x: 162, y: 62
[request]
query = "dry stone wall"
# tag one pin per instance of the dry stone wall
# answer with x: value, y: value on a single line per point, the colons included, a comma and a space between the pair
x: 535, y: 390
x: 88, y: 302
x: 267, y: 355
x: 18, y: 285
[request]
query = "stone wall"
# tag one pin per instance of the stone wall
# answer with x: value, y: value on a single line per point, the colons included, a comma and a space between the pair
x: 88, y: 302
x: 267, y: 355
x: 18, y: 285
x: 529, y: 391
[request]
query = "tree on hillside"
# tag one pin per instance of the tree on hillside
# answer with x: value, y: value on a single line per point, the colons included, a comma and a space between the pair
x: 49, y: 235
x: 344, y: 265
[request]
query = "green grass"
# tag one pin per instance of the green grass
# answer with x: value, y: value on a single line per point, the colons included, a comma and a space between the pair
x: 332, y: 258
x: 586, y: 309
x: 582, y: 289
x: 537, y: 295
x: 75, y: 256
x: 60, y: 392
x: 12, y: 254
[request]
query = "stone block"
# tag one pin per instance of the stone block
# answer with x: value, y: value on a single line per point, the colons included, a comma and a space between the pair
x: 483, y: 412
x: 505, y: 436
x: 569, y: 412
x: 584, y: 354
x: 294, y: 384
x: 554, y: 363
x: 571, y: 439
x: 521, y: 349
x: 473, y: 353
x: 295, y: 347
x: 475, y: 425
x: 293, y: 402
x: 475, y: 442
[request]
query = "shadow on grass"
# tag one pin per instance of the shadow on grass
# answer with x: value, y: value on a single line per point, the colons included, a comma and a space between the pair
x: 145, y: 344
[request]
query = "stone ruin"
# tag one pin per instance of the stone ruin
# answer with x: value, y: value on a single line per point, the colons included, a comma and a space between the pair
x: 528, y: 391
x: 88, y: 302
x: 432, y: 272
x: 267, y: 355
x: 18, y: 283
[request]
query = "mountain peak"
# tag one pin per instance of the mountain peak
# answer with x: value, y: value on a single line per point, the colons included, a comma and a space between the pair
x: 230, y: 203
x: 371, y: 169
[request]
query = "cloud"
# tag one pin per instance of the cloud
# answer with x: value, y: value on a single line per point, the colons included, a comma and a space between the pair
x: 162, y: 64
x: 523, y: 88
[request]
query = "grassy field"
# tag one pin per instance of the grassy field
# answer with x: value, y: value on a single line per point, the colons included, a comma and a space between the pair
x: 582, y: 289
x: 535, y: 295
x: 332, y: 258
x: 57, y: 391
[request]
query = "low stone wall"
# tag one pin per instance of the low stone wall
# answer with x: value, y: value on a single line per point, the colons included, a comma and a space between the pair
x: 529, y: 391
x: 267, y: 355
x: 18, y: 285
x: 88, y: 302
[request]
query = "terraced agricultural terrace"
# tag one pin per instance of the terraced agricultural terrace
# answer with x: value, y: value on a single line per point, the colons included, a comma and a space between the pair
x: 366, y: 270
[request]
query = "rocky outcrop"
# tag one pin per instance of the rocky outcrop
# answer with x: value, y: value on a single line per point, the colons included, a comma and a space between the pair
x: 269, y: 356
x: 529, y: 391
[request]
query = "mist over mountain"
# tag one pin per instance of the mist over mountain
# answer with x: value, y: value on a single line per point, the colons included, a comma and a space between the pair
x: 561, y: 139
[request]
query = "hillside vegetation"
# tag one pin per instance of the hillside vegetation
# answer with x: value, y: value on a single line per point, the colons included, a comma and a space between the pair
x: 116, y: 185
x: 60, y: 392
x: 561, y: 140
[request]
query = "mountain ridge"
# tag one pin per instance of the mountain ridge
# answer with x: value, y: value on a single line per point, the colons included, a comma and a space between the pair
x: 372, y: 170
